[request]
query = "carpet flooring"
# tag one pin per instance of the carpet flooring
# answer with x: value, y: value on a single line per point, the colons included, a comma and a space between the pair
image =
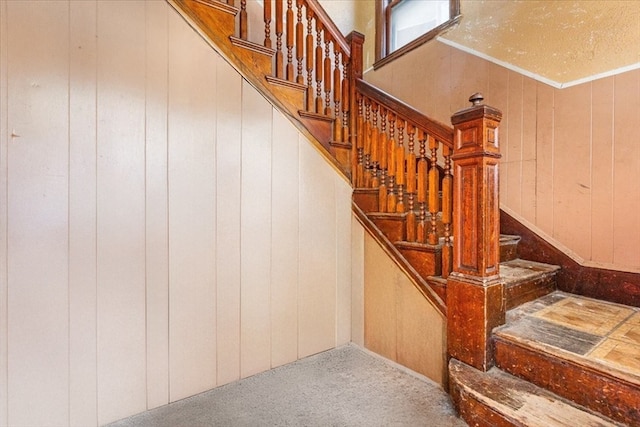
x: 347, y: 386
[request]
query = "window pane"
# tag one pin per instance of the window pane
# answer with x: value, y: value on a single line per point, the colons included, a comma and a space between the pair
x: 412, y: 18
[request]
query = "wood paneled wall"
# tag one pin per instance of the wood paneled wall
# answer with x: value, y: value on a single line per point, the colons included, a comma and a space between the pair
x: 571, y: 157
x: 164, y: 230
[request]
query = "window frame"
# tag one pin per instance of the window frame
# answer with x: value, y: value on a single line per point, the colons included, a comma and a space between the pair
x: 383, y: 31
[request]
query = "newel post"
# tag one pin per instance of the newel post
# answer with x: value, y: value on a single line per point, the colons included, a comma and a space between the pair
x: 356, y: 42
x: 475, y: 303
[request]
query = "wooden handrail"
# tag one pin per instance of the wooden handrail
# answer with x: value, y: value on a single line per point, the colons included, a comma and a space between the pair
x: 330, y: 26
x: 440, y: 131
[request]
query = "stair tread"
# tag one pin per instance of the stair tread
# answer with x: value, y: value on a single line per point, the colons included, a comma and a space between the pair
x: 602, y: 336
x: 520, y: 270
x: 519, y: 401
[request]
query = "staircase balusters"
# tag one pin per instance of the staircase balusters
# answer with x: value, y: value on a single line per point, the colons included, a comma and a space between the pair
x: 267, y: 23
x: 346, y: 105
x: 447, y: 211
x: 411, y: 184
x: 319, y: 68
x: 360, y: 145
x: 309, y: 58
x: 421, y: 230
x: 337, y: 95
x: 327, y: 74
x: 279, y: 28
x: 384, y: 148
x: 391, y: 166
x: 299, y: 42
x: 367, y: 143
x: 434, y: 184
x: 243, y: 28
x: 290, y: 40
x: 400, y: 168
x: 375, y: 155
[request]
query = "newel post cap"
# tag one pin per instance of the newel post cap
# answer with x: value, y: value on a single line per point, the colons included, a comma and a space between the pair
x: 476, y: 111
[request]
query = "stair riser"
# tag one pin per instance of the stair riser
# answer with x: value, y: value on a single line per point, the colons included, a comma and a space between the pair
x: 528, y: 291
x: 393, y: 228
x: 598, y: 391
x: 427, y: 263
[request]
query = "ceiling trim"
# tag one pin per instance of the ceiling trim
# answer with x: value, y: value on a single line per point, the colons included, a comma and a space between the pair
x: 538, y: 77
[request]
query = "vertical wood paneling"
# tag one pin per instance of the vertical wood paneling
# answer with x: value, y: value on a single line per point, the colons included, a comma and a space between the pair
x: 156, y: 209
x: 4, y: 134
x: 38, y: 66
x: 528, y: 173
x: 626, y: 163
x: 317, y: 254
x: 602, y: 207
x: 498, y: 95
x: 343, y: 261
x: 255, y: 232
x: 121, y: 210
x: 82, y: 215
x: 544, y: 158
x: 192, y: 210
x: 512, y: 148
x: 571, y: 173
x: 357, y: 282
x: 317, y: 291
x: 380, y: 300
x: 284, y: 241
x: 228, y: 157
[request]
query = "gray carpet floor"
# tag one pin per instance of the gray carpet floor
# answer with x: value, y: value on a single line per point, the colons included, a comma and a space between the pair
x: 347, y: 386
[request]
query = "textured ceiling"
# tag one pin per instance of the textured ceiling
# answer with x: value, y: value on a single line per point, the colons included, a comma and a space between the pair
x: 561, y: 42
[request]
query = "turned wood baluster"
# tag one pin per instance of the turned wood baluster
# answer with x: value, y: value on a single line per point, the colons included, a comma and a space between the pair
x: 384, y: 157
x: 299, y: 42
x: 400, y: 176
x: 375, y: 155
x: 290, y: 40
x: 360, y: 145
x: 421, y: 230
x: 279, y: 28
x: 345, y: 99
x: 319, y: 67
x: 309, y: 60
x: 447, y: 211
x: 391, y: 166
x: 367, y: 143
x: 243, y: 20
x: 267, y: 23
x: 337, y: 94
x: 327, y: 73
x: 411, y: 184
x: 434, y: 184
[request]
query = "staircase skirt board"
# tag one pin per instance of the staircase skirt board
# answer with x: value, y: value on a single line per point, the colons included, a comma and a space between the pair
x: 585, y: 350
x: 495, y: 398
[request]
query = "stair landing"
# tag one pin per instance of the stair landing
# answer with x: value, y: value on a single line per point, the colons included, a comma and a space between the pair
x: 600, y: 332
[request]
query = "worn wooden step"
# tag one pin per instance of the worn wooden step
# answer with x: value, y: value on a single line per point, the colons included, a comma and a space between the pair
x: 508, y: 247
x: 585, y: 350
x: 496, y: 399
x: 525, y: 280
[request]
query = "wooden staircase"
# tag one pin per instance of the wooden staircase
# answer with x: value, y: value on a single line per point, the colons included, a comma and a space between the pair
x: 427, y: 192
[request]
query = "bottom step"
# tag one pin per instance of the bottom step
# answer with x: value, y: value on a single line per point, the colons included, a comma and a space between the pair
x: 497, y: 399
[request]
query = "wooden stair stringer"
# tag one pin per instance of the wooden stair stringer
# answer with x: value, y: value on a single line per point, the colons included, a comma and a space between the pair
x: 253, y: 64
x: 418, y: 281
